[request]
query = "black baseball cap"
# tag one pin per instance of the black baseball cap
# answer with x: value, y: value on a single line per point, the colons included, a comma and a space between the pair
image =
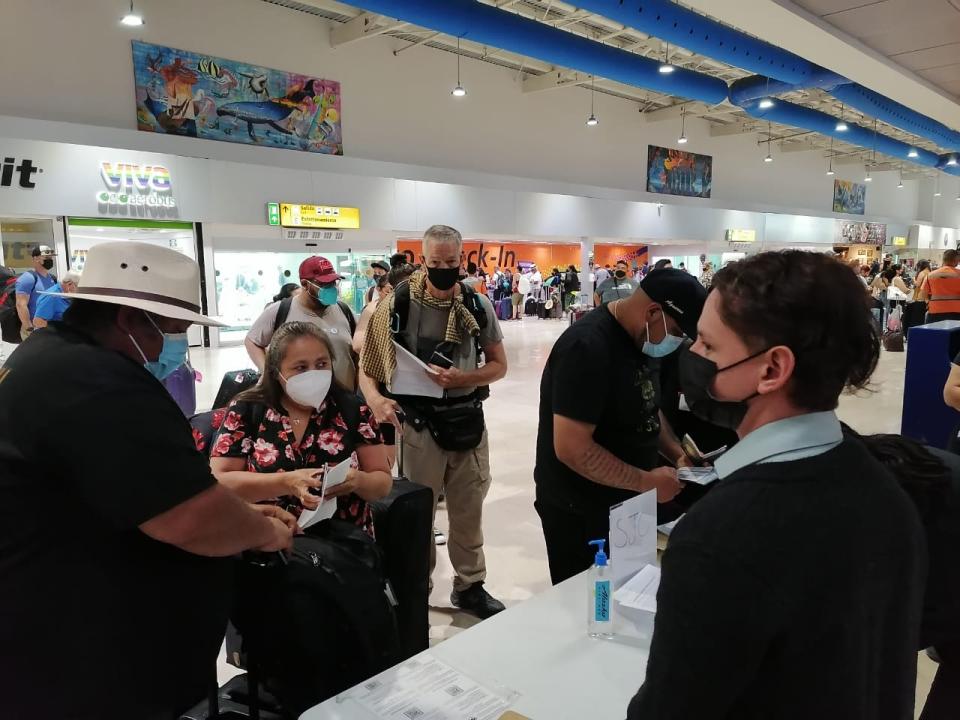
x: 679, y: 294
x: 380, y: 265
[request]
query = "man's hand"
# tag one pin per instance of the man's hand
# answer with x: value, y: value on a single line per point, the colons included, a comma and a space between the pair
x: 664, y: 481
x: 447, y: 378
x: 274, y: 511
x: 301, y: 482
x: 384, y: 410
x: 282, y: 536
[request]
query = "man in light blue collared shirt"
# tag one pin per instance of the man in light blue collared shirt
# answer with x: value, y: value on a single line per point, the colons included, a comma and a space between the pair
x: 794, y: 589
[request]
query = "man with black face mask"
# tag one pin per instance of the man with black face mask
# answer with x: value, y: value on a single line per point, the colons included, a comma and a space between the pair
x: 31, y: 284
x: 318, y: 303
x: 448, y: 326
x: 617, y: 287
x: 805, y: 566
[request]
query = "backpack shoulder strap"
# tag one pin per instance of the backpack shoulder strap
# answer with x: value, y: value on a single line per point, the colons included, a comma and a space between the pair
x: 471, y: 299
x: 401, y: 307
x: 283, y: 312
x: 348, y: 312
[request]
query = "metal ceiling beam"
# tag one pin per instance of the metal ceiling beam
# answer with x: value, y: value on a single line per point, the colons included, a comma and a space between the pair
x: 553, y: 80
x: 671, y: 112
x: 361, y: 27
x: 732, y: 129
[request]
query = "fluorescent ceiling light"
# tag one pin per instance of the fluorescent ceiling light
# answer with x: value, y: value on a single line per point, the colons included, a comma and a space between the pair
x: 766, y: 104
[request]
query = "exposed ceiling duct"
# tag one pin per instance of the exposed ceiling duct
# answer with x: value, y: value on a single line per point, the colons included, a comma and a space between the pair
x: 470, y: 20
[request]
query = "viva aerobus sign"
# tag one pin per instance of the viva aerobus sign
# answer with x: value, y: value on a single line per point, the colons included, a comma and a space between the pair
x: 136, y: 189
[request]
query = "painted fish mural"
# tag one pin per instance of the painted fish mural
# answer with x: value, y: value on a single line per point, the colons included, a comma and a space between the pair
x: 184, y: 93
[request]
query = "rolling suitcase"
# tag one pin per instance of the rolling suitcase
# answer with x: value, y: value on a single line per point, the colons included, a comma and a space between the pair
x: 504, y: 309
x: 530, y: 307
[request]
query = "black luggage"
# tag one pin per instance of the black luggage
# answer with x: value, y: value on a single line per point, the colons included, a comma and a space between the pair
x: 9, y: 320
x: 234, y: 383
x: 542, y: 309
x: 530, y: 307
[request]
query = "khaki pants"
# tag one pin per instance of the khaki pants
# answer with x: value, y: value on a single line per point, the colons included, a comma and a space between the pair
x: 464, y: 478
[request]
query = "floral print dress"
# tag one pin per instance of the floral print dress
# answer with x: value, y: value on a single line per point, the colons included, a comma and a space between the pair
x: 264, y: 437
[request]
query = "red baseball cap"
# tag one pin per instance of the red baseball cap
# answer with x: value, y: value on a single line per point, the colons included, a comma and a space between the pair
x: 319, y: 270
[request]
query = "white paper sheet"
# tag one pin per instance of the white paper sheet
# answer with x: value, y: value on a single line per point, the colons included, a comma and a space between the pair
x: 428, y: 689
x: 667, y: 528
x: 410, y: 376
x: 633, y: 535
x: 640, y: 591
x: 331, y: 478
x: 697, y: 475
x: 324, y: 512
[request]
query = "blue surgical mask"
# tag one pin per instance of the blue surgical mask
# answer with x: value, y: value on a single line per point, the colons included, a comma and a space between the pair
x: 669, y: 344
x: 327, y: 295
x: 173, y: 354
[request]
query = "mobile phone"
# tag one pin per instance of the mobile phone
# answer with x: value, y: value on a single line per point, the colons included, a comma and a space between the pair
x: 440, y: 360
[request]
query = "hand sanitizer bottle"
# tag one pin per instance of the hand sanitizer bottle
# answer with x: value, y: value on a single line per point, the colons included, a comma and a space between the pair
x: 600, y: 595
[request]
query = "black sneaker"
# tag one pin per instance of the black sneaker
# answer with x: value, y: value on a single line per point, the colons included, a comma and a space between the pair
x: 477, y: 601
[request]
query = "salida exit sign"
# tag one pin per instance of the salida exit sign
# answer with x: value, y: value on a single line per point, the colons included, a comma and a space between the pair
x: 273, y: 213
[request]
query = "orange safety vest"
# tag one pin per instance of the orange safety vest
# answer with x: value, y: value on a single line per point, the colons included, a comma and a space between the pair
x: 943, y: 289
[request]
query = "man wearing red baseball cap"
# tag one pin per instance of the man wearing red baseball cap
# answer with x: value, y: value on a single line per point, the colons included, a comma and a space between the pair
x: 318, y: 302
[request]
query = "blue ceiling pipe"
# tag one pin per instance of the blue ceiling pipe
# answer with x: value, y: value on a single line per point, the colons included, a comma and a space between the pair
x: 883, y: 108
x: 697, y: 33
x: 487, y: 25
x: 787, y: 113
x: 700, y: 34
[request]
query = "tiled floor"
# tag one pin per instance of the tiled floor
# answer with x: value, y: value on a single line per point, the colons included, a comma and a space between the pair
x: 516, y: 558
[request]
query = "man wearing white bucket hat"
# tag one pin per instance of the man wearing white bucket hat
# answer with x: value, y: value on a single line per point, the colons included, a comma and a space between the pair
x: 114, y: 535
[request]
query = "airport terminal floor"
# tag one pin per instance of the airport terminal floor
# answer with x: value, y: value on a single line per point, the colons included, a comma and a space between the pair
x: 516, y: 557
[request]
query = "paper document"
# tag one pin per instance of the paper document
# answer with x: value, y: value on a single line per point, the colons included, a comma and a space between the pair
x: 336, y: 475
x: 410, y: 376
x: 640, y: 591
x: 331, y: 478
x: 667, y: 528
x: 424, y: 688
x: 633, y: 535
x: 697, y: 475
x: 312, y: 517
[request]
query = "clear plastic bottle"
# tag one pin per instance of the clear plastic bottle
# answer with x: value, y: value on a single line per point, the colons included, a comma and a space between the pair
x: 600, y: 595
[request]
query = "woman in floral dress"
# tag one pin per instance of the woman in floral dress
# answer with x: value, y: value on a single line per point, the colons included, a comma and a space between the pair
x: 275, y: 439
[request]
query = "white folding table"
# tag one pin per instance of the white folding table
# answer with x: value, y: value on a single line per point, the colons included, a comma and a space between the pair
x: 540, y: 650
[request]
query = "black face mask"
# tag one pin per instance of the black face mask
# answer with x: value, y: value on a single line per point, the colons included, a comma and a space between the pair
x: 443, y: 278
x: 48, y: 264
x: 620, y: 274
x: 697, y: 374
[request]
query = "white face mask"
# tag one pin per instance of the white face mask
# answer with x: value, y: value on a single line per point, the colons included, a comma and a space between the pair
x: 310, y: 388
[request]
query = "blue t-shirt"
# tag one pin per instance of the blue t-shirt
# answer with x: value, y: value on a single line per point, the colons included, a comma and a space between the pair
x: 33, y: 284
x: 50, y: 307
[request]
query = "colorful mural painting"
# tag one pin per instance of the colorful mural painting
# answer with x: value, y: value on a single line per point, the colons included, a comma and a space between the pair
x: 849, y: 197
x: 184, y: 93
x: 674, y: 172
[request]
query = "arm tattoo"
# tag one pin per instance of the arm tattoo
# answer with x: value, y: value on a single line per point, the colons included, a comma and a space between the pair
x: 604, y: 468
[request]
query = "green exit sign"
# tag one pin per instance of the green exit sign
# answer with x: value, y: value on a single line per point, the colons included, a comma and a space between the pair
x: 273, y: 213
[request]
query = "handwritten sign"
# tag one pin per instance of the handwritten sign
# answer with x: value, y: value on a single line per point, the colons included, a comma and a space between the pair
x: 633, y: 536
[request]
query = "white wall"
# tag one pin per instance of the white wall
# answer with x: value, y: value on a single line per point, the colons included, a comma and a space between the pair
x: 396, y: 109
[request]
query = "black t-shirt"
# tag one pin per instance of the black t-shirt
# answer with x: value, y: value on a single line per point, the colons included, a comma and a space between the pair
x: 596, y: 374
x: 91, y: 446
x: 793, y: 590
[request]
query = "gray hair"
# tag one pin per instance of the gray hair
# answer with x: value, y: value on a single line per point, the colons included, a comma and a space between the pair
x: 71, y: 276
x: 443, y: 234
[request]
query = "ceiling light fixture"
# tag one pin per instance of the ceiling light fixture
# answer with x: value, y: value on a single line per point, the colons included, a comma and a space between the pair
x: 132, y: 18
x: 937, y: 193
x: 841, y: 126
x: 868, y: 178
x: 913, y: 153
x: 766, y: 104
x: 459, y: 91
x: 592, y: 120
x: 769, y: 157
x: 952, y: 160
x: 900, y: 184
x: 683, y: 126
x: 830, y: 165
x: 665, y: 67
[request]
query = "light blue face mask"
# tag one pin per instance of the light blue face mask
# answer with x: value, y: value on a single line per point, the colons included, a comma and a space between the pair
x: 669, y: 344
x: 173, y: 354
x: 327, y: 295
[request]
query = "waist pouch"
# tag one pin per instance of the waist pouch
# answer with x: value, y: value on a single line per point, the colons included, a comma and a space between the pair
x: 455, y: 429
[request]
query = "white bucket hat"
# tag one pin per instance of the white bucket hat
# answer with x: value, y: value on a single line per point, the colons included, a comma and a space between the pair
x: 156, y: 279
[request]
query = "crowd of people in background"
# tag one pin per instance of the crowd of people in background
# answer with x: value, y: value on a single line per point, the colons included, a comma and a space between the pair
x: 819, y: 559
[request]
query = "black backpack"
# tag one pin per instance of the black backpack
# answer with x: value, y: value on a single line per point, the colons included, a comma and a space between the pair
x: 9, y: 320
